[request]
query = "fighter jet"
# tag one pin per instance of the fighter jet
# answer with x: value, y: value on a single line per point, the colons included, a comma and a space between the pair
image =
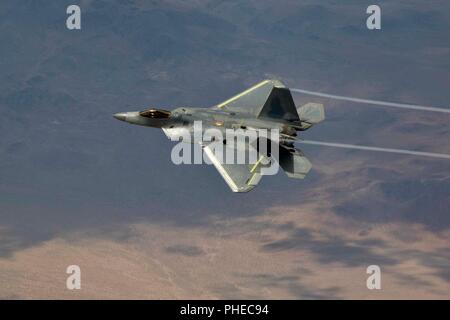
x: 267, y: 105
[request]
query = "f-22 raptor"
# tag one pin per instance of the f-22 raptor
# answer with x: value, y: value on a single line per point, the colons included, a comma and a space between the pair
x: 267, y: 105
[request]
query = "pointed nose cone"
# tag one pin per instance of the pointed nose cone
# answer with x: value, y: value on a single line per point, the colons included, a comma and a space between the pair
x: 122, y: 116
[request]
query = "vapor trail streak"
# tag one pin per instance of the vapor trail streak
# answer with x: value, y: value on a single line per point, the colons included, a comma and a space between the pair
x: 352, y: 146
x: 376, y: 102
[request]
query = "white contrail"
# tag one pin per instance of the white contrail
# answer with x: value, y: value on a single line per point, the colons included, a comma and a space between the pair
x: 352, y: 146
x: 381, y: 103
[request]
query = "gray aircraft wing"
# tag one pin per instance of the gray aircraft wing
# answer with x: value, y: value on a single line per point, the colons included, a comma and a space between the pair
x: 239, y: 177
x: 267, y: 99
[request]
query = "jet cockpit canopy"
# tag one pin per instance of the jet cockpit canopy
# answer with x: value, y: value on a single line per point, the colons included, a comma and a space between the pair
x: 154, y: 113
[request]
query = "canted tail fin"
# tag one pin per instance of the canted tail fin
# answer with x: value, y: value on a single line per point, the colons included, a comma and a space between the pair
x: 279, y: 105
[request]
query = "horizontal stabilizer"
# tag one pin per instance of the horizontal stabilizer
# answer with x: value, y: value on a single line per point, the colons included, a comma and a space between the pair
x: 311, y: 113
x: 294, y: 163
